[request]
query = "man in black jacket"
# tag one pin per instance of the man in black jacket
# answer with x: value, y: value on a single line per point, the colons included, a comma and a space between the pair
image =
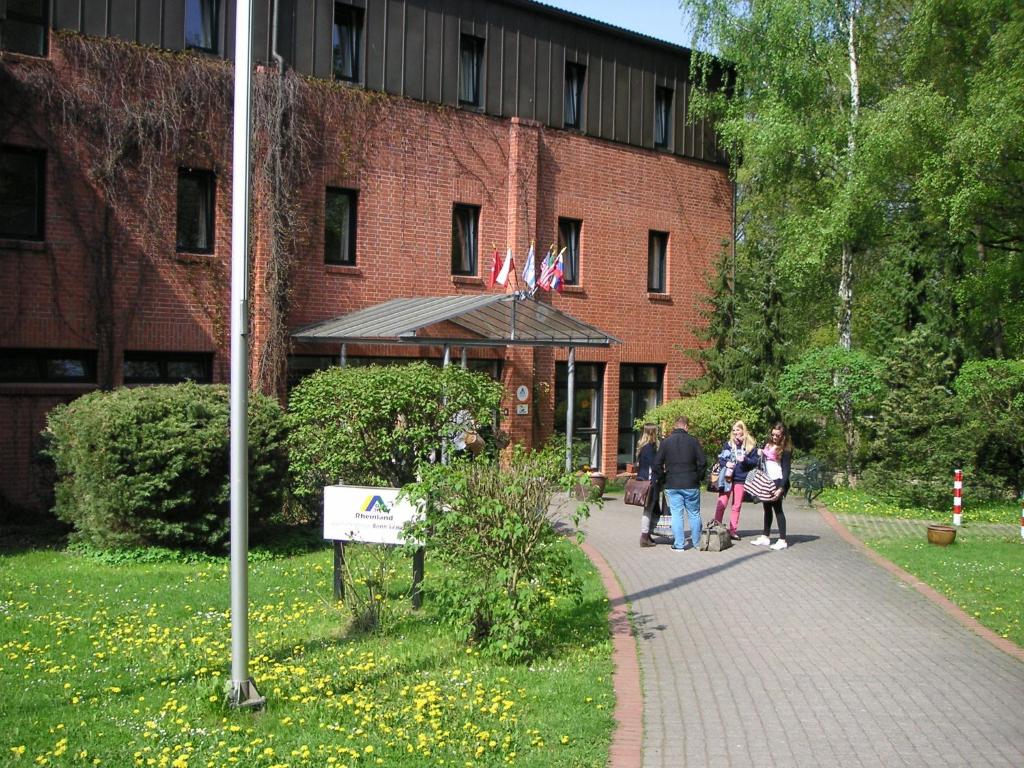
x: 681, y: 462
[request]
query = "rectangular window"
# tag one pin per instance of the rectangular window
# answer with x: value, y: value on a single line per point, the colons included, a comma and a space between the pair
x: 195, y: 211
x: 465, y: 219
x: 657, y: 250
x: 569, y: 240
x: 662, y: 116
x: 348, y: 27
x: 23, y: 26
x: 340, y: 227
x: 167, y: 367
x: 471, y: 63
x: 201, y: 25
x: 29, y: 366
x: 22, y: 176
x: 575, y: 76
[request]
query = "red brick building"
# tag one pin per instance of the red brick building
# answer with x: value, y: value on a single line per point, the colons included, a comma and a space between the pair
x: 413, y: 139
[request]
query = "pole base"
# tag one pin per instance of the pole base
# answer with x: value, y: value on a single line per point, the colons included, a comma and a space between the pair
x: 243, y: 695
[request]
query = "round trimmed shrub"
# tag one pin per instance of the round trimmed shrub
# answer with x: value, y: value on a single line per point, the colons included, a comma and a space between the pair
x: 150, y: 465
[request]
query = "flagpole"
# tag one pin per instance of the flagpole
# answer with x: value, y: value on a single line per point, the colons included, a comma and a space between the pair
x: 242, y: 692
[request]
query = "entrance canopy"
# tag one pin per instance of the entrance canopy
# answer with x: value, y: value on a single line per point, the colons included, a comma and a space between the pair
x: 491, y: 320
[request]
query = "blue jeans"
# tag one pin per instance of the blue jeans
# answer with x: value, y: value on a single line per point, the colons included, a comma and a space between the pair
x: 678, y: 500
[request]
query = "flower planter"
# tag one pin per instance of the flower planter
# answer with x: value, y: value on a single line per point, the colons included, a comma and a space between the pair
x: 594, y: 489
x: 941, y: 535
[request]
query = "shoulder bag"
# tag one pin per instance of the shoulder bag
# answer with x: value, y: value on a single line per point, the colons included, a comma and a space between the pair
x: 759, y: 485
x: 637, y: 492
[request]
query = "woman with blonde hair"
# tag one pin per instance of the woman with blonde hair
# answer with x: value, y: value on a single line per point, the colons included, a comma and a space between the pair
x: 646, y: 450
x: 737, y: 457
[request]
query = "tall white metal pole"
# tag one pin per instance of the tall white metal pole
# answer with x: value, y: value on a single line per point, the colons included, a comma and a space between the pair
x: 570, y: 393
x: 243, y: 691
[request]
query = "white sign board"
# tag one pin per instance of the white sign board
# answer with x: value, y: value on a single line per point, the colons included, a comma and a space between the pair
x: 522, y: 393
x: 360, y: 513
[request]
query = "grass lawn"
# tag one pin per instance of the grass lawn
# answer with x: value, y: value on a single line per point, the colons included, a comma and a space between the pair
x: 981, y: 571
x: 125, y: 664
x: 854, y: 502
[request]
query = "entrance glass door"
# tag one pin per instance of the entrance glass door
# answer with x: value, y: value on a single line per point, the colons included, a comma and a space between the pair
x: 587, y: 408
x: 639, y: 391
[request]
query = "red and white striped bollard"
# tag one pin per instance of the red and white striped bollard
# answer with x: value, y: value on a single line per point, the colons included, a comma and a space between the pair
x: 958, y: 485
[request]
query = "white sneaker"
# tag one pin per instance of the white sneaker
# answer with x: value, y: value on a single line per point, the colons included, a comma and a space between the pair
x: 780, y: 544
x: 760, y: 541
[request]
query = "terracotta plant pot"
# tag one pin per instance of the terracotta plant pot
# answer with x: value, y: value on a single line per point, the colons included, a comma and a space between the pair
x: 592, y: 490
x: 942, y: 535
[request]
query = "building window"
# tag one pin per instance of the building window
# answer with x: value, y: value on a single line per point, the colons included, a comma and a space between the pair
x: 587, y: 412
x: 569, y: 240
x: 23, y: 26
x: 657, y: 251
x: 465, y: 219
x: 27, y: 366
x: 195, y: 211
x: 471, y: 64
x: 201, y: 25
x: 167, y: 367
x: 575, y: 76
x: 340, y: 227
x: 22, y: 175
x: 639, y: 392
x: 662, y: 117
x: 348, y: 27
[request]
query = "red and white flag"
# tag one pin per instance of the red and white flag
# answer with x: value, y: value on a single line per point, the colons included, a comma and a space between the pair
x: 506, y: 268
x: 496, y: 266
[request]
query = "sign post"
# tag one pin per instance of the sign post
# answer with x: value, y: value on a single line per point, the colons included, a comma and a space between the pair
x: 372, y: 516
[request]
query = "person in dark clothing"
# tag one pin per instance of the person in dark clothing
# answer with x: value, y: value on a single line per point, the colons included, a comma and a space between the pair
x: 681, y: 462
x: 645, y: 453
x: 780, y: 446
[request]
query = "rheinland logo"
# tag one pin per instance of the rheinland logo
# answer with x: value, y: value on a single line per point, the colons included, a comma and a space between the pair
x: 372, y: 503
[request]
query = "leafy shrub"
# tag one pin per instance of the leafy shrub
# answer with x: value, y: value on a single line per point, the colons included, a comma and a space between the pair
x: 149, y: 466
x: 495, y: 526
x: 990, y: 394
x: 711, y: 416
x: 373, y: 425
x: 915, y: 443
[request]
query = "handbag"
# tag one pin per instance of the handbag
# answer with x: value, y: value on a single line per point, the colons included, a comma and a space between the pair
x: 759, y: 485
x: 716, y: 470
x: 714, y: 537
x: 637, y: 491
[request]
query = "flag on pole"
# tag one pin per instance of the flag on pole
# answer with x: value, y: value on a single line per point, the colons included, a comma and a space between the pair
x: 496, y: 266
x: 530, y: 272
x: 557, y: 276
x: 547, y: 269
x: 506, y: 268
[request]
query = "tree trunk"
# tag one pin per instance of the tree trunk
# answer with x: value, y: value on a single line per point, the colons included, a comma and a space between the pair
x: 846, y: 263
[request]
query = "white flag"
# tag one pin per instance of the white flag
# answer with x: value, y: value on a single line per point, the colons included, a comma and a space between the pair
x: 530, y: 272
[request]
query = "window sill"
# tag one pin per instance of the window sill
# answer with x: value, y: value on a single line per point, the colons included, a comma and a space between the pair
x: 195, y: 258
x: 467, y: 280
x: 343, y: 269
x: 47, y: 388
x: 16, y: 244
x: 576, y: 290
x: 663, y: 298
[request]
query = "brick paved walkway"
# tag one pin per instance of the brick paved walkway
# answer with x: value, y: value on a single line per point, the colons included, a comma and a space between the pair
x: 815, y: 656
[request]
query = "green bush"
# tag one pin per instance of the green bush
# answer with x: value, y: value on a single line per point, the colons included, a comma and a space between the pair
x: 374, y: 425
x: 990, y: 395
x: 711, y: 416
x: 494, y: 525
x: 149, y: 466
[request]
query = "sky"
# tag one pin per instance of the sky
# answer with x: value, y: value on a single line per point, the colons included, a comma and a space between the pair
x: 661, y: 19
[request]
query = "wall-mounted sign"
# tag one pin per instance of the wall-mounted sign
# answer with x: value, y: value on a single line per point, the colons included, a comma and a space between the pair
x: 522, y: 393
x: 522, y: 409
x: 361, y: 513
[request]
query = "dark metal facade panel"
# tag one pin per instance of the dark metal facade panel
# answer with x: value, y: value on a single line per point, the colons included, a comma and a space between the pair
x: 67, y: 14
x: 124, y: 19
x: 411, y: 48
x: 94, y: 18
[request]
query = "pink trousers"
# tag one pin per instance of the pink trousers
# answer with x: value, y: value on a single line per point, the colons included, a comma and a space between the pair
x: 737, y: 501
